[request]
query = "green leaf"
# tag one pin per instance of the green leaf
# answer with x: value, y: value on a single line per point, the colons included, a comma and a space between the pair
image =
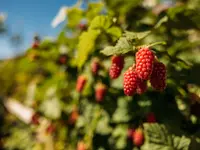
x: 122, y: 47
x: 94, y: 9
x: 121, y: 114
x: 119, y: 135
x: 181, y: 143
x: 157, y: 137
x: 103, y: 127
x: 51, y: 108
x: 136, y: 35
x: 100, y: 22
x: 86, y: 45
x: 161, y: 21
x: 115, y: 32
x: 74, y: 15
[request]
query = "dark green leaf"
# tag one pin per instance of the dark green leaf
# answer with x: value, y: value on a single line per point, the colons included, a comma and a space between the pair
x: 122, y: 47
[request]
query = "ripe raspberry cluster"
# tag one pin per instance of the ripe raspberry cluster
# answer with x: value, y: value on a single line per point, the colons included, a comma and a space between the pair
x: 146, y: 68
x: 116, y: 67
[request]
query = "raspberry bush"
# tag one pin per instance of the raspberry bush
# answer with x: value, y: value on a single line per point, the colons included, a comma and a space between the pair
x: 120, y: 75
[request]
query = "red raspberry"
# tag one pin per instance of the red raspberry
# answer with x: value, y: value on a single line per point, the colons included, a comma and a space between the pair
x: 151, y: 118
x: 73, y: 117
x: 81, y: 81
x: 63, y: 59
x: 138, y: 137
x: 95, y: 66
x: 35, y: 119
x: 158, y: 77
x: 141, y: 86
x: 50, y: 129
x: 35, y: 45
x: 81, y: 146
x: 114, y: 71
x: 130, y: 133
x: 100, y: 92
x: 118, y: 60
x: 116, y: 67
x: 82, y: 26
x: 130, y: 82
x: 144, y: 63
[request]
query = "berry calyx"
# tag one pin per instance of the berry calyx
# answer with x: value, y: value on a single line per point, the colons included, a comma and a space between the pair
x: 158, y: 77
x: 144, y: 63
x: 151, y: 118
x: 100, y: 92
x: 138, y: 137
x: 81, y: 81
x: 95, y: 66
x: 130, y: 82
x: 141, y: 86
x: 116, y: 67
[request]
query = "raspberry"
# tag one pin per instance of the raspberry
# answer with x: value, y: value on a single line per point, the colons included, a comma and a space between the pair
x: 50, y: 129
x: 35, y: 119
x: 73, y: 117
x: 158, y: 77
x: 151, y: 118
x: 100, y: 92
x: 138, y: 137
x: 144, y: 63
x: 82, y: 26
x: 81, y: 146
x: 81, y: 81
x: 130, y: 82
x: 130, y: 133
x: 114, y: 71
x: 116, y: 67
x: 95, y: 66
x: 35, y: 45
x: 118, y: 60
x: 141, y: 86
x: 62, y: 59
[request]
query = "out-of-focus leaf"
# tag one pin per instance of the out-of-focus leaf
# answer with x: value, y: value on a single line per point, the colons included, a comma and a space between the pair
x: 136, y: 35
x: 18, y: 135
x: 181, y: 143
x: 86, y: 45
x: 157, y: 137
x: 161, y: 21
x: 115, y: 32
x: 74, y: 15
x: 94, y: 9
x: 51, y: 108
x: 103, y: 124
x: 121, y: 114
x: 120, y: 136
x: 100, y: 22
x: 122, y: 47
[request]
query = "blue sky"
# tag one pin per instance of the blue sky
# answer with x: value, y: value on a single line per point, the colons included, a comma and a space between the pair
x: 28, y: 17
